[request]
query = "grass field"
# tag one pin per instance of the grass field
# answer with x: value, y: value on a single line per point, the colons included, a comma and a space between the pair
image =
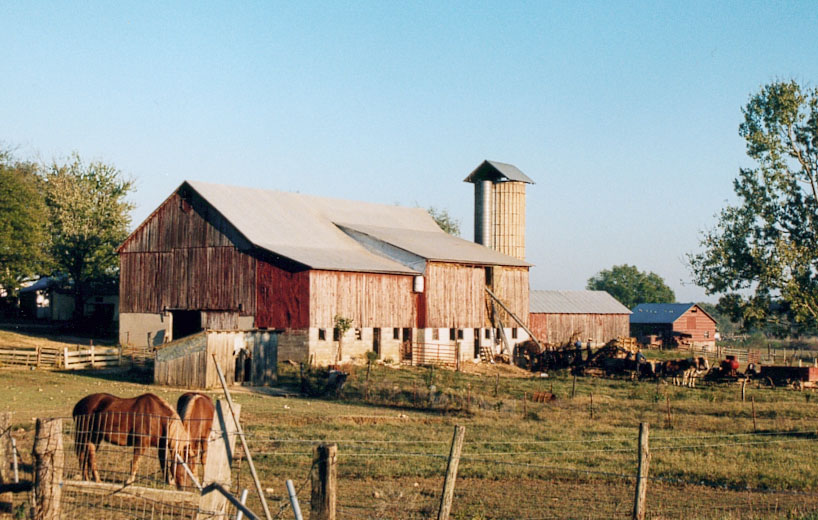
x: 538, y: 460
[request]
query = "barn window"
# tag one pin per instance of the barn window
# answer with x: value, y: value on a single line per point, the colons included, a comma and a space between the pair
x: 435, y: 334
x: 407, y: 334
x: 488, y: 333
x: 489, y: 276
x: 452, y: 334
x: 358, y: 334
x: 396, y: 333
x: 514, y: 333
x: 322, y: 334
x: 336, y: 335
x: 459, y: 333
x: 707, y: 334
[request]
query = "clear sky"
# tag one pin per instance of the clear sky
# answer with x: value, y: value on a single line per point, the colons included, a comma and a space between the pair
x: 624, y: 113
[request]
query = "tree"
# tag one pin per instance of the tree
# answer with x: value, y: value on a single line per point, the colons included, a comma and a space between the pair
x: 631, y: 287
x: 23, y: 237
x: 446, y: 222
x: 89, y: 217
x: 342, y: 325
x: 766, y: 245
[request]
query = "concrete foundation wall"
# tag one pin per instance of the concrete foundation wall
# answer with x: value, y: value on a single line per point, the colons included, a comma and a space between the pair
x: 143, y: 329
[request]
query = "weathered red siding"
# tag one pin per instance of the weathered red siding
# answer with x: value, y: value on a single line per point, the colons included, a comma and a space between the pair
x: 369, y: 299
x: 184, y: 256
x: 283, y: 298
x: 558, y: 329
x: 455, y: 295
x: 700, y: 326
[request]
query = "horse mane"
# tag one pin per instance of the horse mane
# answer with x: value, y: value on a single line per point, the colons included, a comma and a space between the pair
x: 187, y: 405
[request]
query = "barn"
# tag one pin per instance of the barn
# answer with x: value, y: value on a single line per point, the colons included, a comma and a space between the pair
x: 559, y: 317
x: 216, y: 257
x: 674, y: 324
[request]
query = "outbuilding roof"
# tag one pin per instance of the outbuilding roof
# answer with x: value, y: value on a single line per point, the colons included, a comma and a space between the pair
x: 574, y: 302
x: 661, y: 312
x: 497, y: 172
x: 308, y: 230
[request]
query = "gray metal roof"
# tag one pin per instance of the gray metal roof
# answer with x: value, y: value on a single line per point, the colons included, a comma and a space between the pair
x: 574, y: 302
x: 497, y: 171
x: 305, y: 229
x: 436, y: 245
x: 659, y: 312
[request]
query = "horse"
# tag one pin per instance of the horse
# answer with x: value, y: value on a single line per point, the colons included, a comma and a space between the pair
x: 142, y: 422
x: 196, y: 411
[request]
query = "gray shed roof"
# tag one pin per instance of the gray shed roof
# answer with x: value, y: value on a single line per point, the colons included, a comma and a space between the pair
x: 497, y: 171
x: 660, y: 312
x: 305, y: 229
x: 574, y: 302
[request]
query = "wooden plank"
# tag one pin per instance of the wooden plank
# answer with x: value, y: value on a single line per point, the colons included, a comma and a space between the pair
x: 220, y: 453
x: 136, y: 492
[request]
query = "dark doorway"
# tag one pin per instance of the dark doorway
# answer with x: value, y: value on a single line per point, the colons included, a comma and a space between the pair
x: 185, y: 323
x: 476, y: 343
x: 376, y: 341
x: 406, y: 346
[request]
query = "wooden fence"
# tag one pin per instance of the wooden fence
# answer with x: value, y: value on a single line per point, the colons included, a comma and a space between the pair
x: 73, y: 358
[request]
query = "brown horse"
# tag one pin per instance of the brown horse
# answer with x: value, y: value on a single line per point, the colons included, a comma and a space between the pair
x: 142, y: 422
x: 196, y: 411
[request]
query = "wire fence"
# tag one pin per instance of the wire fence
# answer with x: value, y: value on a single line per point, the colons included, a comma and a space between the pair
x: 403, y: 478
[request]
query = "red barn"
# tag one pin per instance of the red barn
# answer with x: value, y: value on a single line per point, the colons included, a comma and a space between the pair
x: 680, y: 323
x: 559, y: 317
x: 232, y: 258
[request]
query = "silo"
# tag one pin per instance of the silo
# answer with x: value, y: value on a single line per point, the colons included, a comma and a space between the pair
x: 499, y: 207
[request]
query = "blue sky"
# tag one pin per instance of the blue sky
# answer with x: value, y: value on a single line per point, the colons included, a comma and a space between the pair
x: 624, y: 113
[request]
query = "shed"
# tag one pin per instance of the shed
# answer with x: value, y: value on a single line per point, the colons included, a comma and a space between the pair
x: 189, y: 363
x: 557, y: 317
x: 674, y: 323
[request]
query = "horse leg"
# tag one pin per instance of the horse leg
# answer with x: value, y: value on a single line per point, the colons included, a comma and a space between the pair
x: 137, y: 457
x: 92, y: 461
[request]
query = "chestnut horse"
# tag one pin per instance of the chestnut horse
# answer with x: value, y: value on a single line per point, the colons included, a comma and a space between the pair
x: 142, y: 422
x: 196, y: 411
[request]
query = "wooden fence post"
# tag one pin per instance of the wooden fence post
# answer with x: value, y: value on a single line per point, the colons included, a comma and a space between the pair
x: 322, y: 498
x: 65, y: 357
x: 743, y: 390
x: 451, y: 473
x: 39, y: 356
x: 573, y: 386
x: 119, y: 356
x: 48, y: 467
x: 6, y: 499
x: 642, y: 474
x: 753, y: 401
x: 92, y: 356
x: 220, y: 454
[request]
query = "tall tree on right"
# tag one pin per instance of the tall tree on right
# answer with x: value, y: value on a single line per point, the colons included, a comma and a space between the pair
x: 766, y: 245
x: 631, y: 286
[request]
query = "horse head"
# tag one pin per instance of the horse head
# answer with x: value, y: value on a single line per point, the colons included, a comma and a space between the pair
x: 177, y: 448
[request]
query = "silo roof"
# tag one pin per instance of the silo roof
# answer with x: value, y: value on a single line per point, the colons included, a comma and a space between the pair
x: 497, y: 172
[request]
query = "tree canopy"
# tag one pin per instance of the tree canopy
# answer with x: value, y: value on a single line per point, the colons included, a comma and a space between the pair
x: 89, y: 215
x: 765, y: 247
x: 446, y: 222
x: 23, y: 237
x: 631, y: 286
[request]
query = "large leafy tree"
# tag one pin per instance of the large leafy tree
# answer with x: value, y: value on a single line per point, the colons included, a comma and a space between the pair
x: 23, y: 237
x: 766, y: 245
x: 89, y: 217
x: 631, y: 286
